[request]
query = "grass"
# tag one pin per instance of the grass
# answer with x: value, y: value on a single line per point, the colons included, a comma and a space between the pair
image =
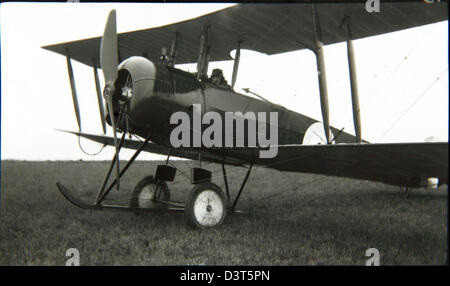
x: 290, y: 219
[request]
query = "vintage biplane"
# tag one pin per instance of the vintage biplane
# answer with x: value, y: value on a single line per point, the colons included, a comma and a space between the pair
x: 143, y: 88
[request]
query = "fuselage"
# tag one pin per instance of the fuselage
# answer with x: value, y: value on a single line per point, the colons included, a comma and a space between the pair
x: 159, y: 91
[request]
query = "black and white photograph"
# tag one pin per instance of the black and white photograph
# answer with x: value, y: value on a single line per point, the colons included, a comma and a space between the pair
x: 224, y: 134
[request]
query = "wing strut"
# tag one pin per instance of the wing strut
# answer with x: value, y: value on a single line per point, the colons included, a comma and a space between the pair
x: 353, y: 82
x: 318, y: 50
x: 237, y: 58
x: 173, y: 50
x: 74, y: 91
x: 99, y: 97
x: 203, y: 58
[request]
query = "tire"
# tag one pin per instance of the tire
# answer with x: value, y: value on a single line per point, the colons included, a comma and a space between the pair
x: 199, y: 213
x: 144, y: 193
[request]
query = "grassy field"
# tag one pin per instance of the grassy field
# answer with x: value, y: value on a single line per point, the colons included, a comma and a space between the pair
x: 290, y: 219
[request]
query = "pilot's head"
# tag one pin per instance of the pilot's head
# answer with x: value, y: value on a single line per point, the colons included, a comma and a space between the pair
x: 217, y: 72
x: 217, y: 76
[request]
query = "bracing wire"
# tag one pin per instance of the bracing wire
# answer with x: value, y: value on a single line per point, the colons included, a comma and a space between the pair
x: 393, y: 73
x: 414, y: 103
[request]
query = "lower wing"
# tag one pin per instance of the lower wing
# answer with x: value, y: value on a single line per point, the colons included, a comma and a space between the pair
x: 405, y: 164
x: 186, y: 153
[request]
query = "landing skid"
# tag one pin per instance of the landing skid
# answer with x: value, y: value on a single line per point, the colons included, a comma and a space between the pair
x: 165, y: 206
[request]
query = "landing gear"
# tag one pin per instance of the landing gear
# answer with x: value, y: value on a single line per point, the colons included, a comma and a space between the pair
x: 406, y: 191
x: 148, y: 192
x: 206, y: 206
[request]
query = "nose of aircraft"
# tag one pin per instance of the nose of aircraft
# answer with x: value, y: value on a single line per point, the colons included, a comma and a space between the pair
x: 134, y: 87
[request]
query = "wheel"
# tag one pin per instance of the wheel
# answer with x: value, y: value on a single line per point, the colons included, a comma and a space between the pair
x: 205, y: 206
x: 146, y: 190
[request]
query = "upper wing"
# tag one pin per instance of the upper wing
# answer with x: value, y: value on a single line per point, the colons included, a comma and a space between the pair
x: 267, y: 28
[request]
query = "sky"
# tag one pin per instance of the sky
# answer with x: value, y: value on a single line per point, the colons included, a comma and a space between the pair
x: 402, y: 78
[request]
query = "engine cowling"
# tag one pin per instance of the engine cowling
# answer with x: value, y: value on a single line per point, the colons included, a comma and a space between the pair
x: 133, y: 88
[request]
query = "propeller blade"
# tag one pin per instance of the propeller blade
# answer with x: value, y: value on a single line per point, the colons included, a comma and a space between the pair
x: 109, y: 61
x: 113, y: 123
x: 108, y: 49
